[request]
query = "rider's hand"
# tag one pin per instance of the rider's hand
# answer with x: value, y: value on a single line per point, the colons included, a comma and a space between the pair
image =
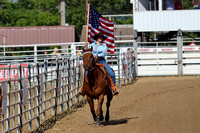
x: 86, y: 45
x: 95, y: 56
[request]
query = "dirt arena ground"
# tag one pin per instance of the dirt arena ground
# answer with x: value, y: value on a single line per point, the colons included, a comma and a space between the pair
x: 150, y: 105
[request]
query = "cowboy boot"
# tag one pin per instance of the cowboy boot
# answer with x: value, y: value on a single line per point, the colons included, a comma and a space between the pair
x: 81, y: 92
x: 114, y: 88
x: 115, y: 91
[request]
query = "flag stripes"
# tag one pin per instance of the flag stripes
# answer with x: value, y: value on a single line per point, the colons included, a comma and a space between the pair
x: 97, y: 24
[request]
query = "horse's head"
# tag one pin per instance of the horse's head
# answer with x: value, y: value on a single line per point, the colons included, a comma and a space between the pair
x: 88, y: 59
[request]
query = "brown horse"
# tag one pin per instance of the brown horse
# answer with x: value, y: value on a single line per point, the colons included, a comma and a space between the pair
x: 96, y: 85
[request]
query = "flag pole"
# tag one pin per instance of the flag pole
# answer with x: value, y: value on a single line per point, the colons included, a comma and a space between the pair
x: 87, y: 26
x: 86, y: 40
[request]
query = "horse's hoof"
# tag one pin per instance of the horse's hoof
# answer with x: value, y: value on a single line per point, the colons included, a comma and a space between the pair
x: 97, y: 123
x: 107, y: 118
x: 101, y: 118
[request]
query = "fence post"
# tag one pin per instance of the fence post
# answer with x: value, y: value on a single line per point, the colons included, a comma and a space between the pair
x: 78, y: 78
x: 20, y: 98
x: 75, y: 79
x: 8, y: 101
x: 35, y: 53
x: 4, y: 48
x: 45, y: 86
x: 119, y: 71
x: 61, y: 87
x: 124, y: 70
x: 180, y: 52
x: 56, y: 96
x: 69, y: 84
x: 135, y: 55
x: 72, y: 49
x: 29, y: 96
x: 38, y: 96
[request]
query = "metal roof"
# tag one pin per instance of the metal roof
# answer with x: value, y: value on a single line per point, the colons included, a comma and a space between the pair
x: 36, y: 35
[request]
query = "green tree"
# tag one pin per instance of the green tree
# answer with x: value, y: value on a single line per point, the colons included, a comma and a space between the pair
x: 187, y: 4
x: 29, y: 13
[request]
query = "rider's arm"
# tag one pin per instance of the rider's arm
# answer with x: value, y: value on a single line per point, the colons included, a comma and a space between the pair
x: 90, y: 45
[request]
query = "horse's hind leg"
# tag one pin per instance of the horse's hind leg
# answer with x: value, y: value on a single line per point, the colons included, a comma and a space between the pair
x: 91, y: 103
x: 109, y: 98
x: 101, y: 116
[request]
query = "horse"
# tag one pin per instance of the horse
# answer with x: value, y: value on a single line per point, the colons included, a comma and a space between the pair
x: 96, y: 85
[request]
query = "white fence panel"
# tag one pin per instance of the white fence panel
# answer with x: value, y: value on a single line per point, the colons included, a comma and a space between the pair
x: 155, y: 62
x: 191, y: 69
x: 157, y: 70
x: 160, y: 61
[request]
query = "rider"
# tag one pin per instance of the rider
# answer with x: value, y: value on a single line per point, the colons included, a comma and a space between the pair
x: 100, y: 51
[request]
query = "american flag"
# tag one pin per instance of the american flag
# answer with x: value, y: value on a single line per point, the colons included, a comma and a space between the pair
x: 97, y: 24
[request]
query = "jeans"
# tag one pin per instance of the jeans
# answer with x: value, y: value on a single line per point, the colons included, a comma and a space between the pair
x: 110, y: 71
x: 108, y: 68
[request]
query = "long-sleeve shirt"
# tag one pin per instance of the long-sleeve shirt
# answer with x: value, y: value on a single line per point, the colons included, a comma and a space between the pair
x: 100, y: 50
x: 196, y: 3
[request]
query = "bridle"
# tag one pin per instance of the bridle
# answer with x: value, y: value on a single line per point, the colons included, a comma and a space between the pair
x: 89, y: 67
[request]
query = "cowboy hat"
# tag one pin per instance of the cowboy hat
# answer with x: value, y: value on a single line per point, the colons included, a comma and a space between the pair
x: 99, y: 35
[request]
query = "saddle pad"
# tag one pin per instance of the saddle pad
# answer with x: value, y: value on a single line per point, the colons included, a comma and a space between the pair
x: 100, y: 64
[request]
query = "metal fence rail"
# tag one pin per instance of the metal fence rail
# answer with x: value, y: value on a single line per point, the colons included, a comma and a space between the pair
x: 32, y: 91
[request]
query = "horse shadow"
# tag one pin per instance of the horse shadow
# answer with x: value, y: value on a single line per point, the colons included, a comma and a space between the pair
x: 117, y: 122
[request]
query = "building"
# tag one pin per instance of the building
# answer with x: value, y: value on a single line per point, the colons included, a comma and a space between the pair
x: 36, y: 35
x: 152, y: 16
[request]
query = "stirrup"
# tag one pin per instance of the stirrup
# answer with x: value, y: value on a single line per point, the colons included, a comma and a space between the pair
x: 115, y: 93
x: 81, y: 93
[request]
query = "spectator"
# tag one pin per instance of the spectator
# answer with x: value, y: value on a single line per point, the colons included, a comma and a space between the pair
x: 178, y: 5
x: 196, y: 4
x: 133, y: 56
x: 192, y: 43
x: 170, y: 4
x: 78, y: 51
x: 55, y: 53
x: 126, y: 61
x: 45, y: 54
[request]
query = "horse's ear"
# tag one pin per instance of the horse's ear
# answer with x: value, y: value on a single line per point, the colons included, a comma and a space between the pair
x: 83, y: 49
x: 91, y: 49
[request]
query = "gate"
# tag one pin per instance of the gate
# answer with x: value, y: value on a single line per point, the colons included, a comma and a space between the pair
x: 165, y: 59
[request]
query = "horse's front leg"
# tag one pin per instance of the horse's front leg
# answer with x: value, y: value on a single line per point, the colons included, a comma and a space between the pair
x: 91, y: 103
x: 99, y: 109
x: 109, y: 98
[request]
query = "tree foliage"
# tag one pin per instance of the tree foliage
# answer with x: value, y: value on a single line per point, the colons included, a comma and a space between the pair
x: 46, y: 12
x: 187, y: 4
x: 29, y: 13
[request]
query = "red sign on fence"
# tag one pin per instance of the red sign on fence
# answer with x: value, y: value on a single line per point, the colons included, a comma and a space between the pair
x: 13, y: 72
